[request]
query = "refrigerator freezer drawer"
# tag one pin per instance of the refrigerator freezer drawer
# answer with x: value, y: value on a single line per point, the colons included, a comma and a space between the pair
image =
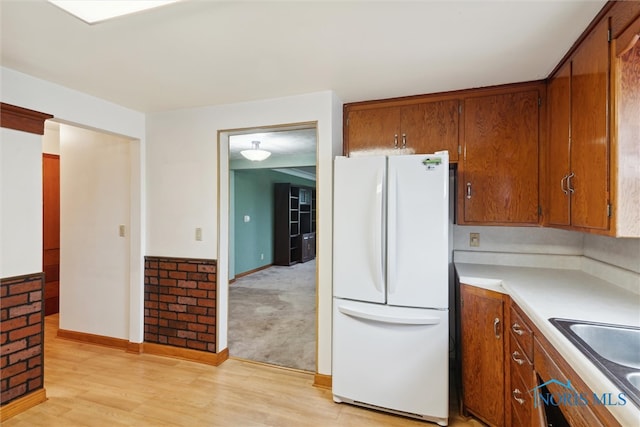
x: 392, y: 358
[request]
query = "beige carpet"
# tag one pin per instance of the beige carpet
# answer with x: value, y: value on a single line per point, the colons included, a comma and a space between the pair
x: 272, y: 316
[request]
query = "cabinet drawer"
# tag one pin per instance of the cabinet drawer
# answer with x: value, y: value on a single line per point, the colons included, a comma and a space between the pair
x: 578, y: 416
x: 521, y: 332
x: 516, y: 416
x: 520, y: 364
x: 521, y: 398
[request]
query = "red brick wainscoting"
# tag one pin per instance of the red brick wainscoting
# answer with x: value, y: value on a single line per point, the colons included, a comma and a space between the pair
x: 180, y: 302
x: 21, y: 336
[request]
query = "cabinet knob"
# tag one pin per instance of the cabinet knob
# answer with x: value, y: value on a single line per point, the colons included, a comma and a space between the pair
x: 395, y: 141
x: 404, y: 140
x: 468, y: 190
x: 496, y: 328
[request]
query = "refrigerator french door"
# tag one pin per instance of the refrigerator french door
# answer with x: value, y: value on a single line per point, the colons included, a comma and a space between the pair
x: 390, y: 284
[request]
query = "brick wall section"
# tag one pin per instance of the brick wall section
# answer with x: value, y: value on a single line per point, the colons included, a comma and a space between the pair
x: 21, y: 336
x: 180, y: 302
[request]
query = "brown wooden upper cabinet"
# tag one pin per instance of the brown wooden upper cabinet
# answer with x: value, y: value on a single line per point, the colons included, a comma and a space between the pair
x: 498, y: 178
x: 578, y: 136
x: 558, y: 162
x: 593, y: 175
x: 625, y: 179
x: 402, y: 128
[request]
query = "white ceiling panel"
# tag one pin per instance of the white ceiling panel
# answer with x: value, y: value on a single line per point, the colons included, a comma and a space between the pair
x: 205, y: 52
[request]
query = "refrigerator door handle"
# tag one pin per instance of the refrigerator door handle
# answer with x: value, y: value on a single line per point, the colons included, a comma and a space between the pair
x: 389, y: 319
x: 378, y: 232
x: 392, y: 230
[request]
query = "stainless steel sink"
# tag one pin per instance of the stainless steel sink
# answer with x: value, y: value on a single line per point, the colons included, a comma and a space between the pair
x: 620, y: 345
x: 614, y: 349
x: 634, y: 379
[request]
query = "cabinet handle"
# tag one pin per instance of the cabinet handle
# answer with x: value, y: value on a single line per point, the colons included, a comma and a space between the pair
x: 569, y: 186
x: 564, y: 190
x: 468, y: 190
x: 395, y: 141
x: 496, y: 329
x: 516, y: 357
x: 404, y: 140
x: 515, y: 393
x: 630, y: 46
x: 517, y: 329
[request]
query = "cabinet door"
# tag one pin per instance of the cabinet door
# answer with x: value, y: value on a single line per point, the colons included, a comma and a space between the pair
x: 558, y: 167
x: 500, y: 179
x: 430, y: 127
x: 590, y: 137
x: 374, y: 129
x: 481, y: 325
x: 51, y: 232
x: 625, y: 186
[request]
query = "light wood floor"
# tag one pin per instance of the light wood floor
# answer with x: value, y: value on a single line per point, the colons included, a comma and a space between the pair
x: 89, y: 385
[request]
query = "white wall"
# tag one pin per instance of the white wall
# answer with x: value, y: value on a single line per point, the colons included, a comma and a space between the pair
x: 94, y: 258
x: 534, y: 240
x: 70, y: 106
x: 183, y: 193
x: 616, y: 261
x: 20, y: 203
x: 623, y: 253
x: 51, y: 138
x: 619, y: 252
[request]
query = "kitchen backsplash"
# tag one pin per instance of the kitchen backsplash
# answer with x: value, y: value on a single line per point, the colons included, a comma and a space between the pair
x: 533, y: 240
x: 624, y: 253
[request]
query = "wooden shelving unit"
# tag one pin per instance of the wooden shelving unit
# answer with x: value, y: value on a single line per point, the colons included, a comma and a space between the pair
x: 294, y: 224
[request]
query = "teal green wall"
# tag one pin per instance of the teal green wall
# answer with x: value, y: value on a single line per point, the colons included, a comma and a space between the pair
x: 253, y: 196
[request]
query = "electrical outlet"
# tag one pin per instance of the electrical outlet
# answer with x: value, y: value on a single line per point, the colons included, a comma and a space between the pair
x: 474, y: 239
x: 198, y: 234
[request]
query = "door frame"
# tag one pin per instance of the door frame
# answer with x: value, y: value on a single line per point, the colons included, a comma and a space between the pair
x: 222, y: 299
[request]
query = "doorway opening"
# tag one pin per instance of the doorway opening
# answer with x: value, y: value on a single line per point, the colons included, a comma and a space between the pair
x: 272, y: 266
x: 88, y: 237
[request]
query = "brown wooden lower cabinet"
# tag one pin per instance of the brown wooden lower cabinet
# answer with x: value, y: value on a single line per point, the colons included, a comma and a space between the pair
x: 550, y: 365
x: 482, y: 352
x: 520, y: 369
x: 506, y: 370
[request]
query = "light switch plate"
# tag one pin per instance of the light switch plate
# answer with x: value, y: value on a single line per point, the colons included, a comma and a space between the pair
x: 198, y: 234
x: 474, y: 239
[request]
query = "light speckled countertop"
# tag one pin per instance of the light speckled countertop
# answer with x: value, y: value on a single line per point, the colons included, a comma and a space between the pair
x: 543, y: 293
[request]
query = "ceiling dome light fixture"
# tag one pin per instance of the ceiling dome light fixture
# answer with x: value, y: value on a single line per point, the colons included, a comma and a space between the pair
x: 255, y: 154
x: 95, y: 11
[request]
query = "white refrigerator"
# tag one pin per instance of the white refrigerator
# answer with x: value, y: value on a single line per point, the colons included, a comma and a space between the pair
x: 390, y: 284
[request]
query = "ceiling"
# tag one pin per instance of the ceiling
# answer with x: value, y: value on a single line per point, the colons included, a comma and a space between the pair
x: 292, y: 148
x: 207, y: 52
x: 281, y: 142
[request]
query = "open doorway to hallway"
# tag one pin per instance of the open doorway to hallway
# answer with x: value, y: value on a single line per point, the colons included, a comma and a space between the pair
x: 272, y: 265
x: 87, y: 231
